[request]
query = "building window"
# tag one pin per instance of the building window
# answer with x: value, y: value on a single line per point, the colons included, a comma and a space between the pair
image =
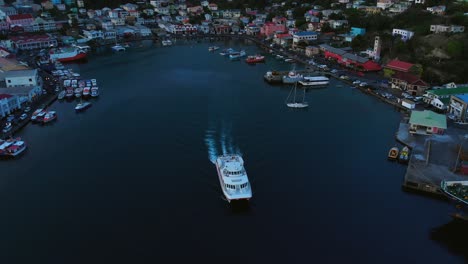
x: 9, y: 81
x: 30, y: 80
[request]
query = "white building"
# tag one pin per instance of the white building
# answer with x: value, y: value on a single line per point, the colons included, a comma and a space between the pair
x: 304, y: 36
x: 384, y: 4
x: 404, y: 34
x: 446, y: 29
x: 118, y: 21
x: 419, y: 1
x: 8, y: 104
x: 22, y: 78
x: 93, y: 34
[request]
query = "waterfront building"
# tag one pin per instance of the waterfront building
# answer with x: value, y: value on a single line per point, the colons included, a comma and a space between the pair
x: 8, y: 104
x: 440, y: 98
x: 26, y: 84
x: 458, y: 107
x: 427, y: 123
x: 404, y: 34
x: 384, y: 4
x: 410, y: 83
x: 93, y: 34
x: 252, y: 29
x: 348, y: 59
x: 28, y: 42
x: 282, y: 39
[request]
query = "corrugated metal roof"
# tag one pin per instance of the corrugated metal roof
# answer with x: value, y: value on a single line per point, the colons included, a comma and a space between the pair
x: 429, y: 119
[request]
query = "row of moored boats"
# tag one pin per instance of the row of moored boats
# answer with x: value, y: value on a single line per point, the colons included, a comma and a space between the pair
x: 402, y: 156
x: 237, y: 55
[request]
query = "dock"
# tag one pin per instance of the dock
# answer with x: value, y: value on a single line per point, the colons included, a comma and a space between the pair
x: 433, y: 158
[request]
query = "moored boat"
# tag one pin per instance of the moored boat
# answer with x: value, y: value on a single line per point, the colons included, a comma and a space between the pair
x: 294, y: 103
x: 118, y: 48
x: 273, y: 77
x: 457, y: 191
x: 292, y: 77
x: 86, y: 91
x: 237, y: 55
x: 226, y: 52
x: 12, y: 147
x: 78, y: 92
x: 166, y: 42
x: 40, y: 117
x: 314, y: 81
x: 67, y: 54
x: 69, y: 92
x: 61, y: 95
x: 393, y: 153
x: 213, y: 48
x: 35, y: 113
x: 49, y: 117
x: 233, y: 177
x: 94, y: 91
x: 82, y: 106
x: 255, y: 59
x: 404, y: 155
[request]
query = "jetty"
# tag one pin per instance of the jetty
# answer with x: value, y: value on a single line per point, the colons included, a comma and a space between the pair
x: 433, y: 158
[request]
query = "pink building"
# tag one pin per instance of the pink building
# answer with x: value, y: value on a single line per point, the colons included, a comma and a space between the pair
x: 271, y: 28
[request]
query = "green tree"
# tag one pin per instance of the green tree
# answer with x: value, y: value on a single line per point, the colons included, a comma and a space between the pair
x: 358, y: 43
x: 455, y: 48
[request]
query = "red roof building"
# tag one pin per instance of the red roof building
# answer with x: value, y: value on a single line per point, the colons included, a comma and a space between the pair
x: 350, y: 60
x: 399, y: 66
x: 22, y: 20
x: 271, y: 28
x: 409, y: 82
x: 28, y: 42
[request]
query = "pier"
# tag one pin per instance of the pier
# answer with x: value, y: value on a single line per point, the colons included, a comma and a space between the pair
x: 433, y: 158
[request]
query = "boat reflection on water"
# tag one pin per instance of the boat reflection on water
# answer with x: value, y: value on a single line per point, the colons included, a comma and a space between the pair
x: 453, y: 236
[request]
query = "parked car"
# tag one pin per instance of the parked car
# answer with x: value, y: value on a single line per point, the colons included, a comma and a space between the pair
x: 334, y: 71
x: 363, y: 84
x: 23, y: 116
x: 27, y: 109
x: 7, y: 128
x: 10, y: 118
x: 356, y: 82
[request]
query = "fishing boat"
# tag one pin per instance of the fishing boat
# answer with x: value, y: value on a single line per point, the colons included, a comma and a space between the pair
x: 12, y: 147
x: 393, y: 153
x: 404, y: 155
x: 82, y: 106
x: 314, y: 81
x: 457, y: 191
x: 237, y: 55
x: 213, y: 48
x: 61, y: 95
x: 292, y: 77
x: 255, y: 59
x: 94, y: 91
x: 294, y: 103
x: 40, y: 117
x: 233, y: 177
x: 67, y: 54
x: 49, y: 117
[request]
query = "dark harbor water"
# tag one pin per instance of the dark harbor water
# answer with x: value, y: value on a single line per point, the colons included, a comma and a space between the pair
x: 131, y: 181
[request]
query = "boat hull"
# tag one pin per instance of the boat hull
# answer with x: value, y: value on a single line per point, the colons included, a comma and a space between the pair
x: 297, y: 105
x: 79, y: 56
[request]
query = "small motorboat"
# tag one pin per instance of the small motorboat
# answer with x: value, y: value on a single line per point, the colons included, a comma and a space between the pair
x: 393, y: 153
x: 62, y: 94
x: 82, y: 106
x: 404, y: 155
x: 49, y: 117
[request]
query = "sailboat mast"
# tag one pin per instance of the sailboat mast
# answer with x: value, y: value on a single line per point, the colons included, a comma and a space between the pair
x: 303, y: 97
x: 295, y: 85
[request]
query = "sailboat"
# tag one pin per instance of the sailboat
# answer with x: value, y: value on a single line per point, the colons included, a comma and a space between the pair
x: 294, y: 103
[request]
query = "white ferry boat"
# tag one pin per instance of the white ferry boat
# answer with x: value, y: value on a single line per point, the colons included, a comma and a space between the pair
x: 314, y: 81
x: 233, y: 177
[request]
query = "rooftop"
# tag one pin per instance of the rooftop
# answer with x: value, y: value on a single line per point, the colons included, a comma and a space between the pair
x: 399, y: 65
x: 428, y: 118
x: 449, y: 91
x: 463, y: 97
x: 20, y: 73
